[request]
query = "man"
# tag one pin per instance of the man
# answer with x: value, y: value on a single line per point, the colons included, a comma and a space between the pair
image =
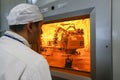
x: 17, y: 60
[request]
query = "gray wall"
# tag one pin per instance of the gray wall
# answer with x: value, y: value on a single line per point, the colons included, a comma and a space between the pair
x: 0, y: 17
x: 6, y: 5
x: 116, y: 39
x: 43, y: 2
x: 63, y: 6
x: 103, y: 40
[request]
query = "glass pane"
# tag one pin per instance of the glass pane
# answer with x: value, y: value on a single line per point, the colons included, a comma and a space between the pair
x: 66, y: 44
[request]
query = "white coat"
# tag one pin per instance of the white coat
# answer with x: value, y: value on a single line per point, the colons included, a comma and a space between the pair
x: 19, y: 62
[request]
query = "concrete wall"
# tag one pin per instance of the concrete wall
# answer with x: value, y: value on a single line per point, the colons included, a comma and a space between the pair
x: 116, y: 38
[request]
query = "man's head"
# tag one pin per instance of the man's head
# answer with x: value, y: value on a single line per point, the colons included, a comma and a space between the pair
x: 26, y: 20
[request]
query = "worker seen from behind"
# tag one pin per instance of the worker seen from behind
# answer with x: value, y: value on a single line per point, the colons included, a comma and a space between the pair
x: 17, y: 60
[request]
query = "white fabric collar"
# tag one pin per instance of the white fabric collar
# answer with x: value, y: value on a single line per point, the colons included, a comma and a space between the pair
x: 13, y: 34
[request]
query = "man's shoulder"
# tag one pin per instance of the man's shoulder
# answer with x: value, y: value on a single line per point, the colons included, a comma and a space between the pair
x: 21, y: 52
x: 28, y: 56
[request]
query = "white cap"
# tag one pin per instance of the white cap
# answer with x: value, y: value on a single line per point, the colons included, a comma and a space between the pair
x: 23, y: 13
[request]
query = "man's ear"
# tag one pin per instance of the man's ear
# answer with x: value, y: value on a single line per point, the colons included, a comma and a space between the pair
x: 29, y: 27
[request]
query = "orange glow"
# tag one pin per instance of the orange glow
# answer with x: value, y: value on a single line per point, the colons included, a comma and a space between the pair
x: 56, y: 56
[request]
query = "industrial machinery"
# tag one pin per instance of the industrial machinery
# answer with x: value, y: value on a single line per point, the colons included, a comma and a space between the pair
x: 66, y: 44
x: 69, y: 39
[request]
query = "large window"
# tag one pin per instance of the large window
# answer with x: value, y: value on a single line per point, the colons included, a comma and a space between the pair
x: 66, y: 43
